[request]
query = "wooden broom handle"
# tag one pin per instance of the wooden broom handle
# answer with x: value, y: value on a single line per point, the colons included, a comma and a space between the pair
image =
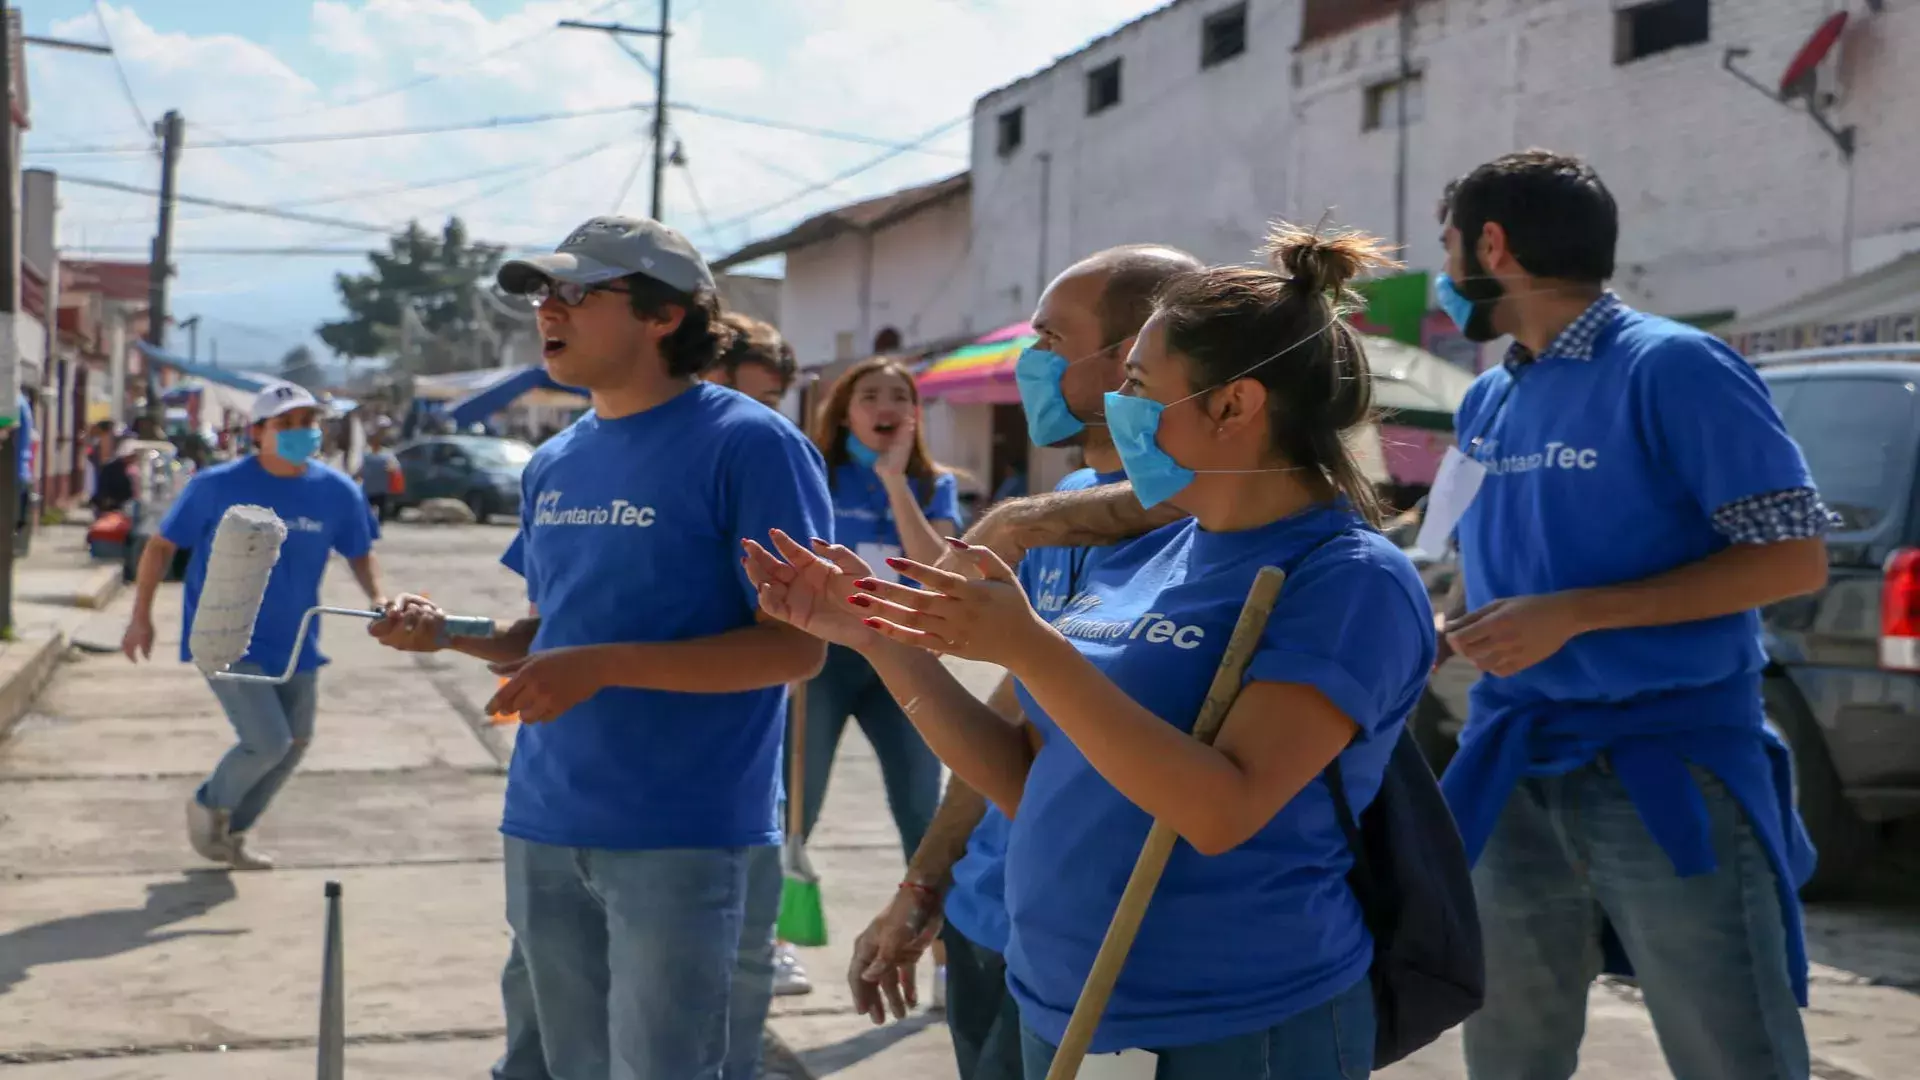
x: 1160, y: 839
x: 796, y: 762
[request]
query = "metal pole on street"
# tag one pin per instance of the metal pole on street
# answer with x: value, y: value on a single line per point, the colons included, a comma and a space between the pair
x: 172, y: 132
x: 333, y: 994
x: 10, y: 447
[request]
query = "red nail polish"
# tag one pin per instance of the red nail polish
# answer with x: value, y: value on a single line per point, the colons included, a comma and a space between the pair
x: 874, y: 623
x: 866, y: 583
x: 956, y: 544
x: 897, y: 564
x: 859, y: 601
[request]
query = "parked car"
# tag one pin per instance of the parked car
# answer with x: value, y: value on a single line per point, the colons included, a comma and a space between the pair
x: 1842, y: 683
x: 479, y: 470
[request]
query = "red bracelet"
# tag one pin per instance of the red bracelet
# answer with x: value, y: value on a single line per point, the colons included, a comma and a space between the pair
x: 931, y: 896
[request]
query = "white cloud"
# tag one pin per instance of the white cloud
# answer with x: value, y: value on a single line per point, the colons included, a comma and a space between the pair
x: 888, y: 69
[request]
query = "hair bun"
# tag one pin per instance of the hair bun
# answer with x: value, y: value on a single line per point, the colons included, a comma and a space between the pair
x: 1315, y: 262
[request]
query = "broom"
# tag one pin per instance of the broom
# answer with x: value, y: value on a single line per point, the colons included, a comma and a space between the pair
x: 803, y: 920
x: 1160, y: 839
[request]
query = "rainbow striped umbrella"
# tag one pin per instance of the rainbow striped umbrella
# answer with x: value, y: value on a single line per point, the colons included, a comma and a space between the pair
x: 981, y: 370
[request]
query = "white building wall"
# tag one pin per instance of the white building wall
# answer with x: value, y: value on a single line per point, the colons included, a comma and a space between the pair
x: 908, y: 276
x: 1191, y: 156
x: 1729, y: 201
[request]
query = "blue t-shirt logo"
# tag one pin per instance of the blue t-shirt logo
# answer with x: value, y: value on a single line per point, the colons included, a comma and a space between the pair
x: 547, y: 510
x: 1152, y: 627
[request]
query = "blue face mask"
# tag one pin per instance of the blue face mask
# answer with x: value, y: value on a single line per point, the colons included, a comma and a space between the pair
x: 1049, y: 421
x: 297, y: 444
x: 862, y: 454
x: 1135, y: 425
x: 1452, y: 301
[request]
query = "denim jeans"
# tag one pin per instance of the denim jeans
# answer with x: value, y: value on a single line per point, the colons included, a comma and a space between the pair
x: 848, y: 686
x: 1331, y: 1041
x: 274, y: 725
x: 753, y: 965
x: 630, y: 956
x: 524, y: 1058
x: 981, y: 1015
x: 1709, y: 951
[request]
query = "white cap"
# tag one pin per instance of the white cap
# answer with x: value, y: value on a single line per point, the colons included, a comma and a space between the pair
x: 282, y: 398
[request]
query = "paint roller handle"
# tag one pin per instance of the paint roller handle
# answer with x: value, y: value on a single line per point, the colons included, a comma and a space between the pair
x: 452, y: 626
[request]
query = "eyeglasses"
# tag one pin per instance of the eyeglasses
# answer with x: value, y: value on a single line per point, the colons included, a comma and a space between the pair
x: 569, y: 293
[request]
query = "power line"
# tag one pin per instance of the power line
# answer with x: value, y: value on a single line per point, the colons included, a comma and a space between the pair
x: 489, y: 123
x: 803, y: 129
x: 235, y: 207
x: 870, y: 163
x: 126, y: 86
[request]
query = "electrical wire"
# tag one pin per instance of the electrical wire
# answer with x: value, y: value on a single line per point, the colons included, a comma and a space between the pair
x: 487, y: 124
x: 233, y: 207
x: 126, y: 86
x: 869, y: 164
x: 803, y: 129
x: 626, y: 186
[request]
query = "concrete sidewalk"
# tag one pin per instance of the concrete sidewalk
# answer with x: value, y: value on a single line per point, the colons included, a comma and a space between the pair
x: 59, y: 596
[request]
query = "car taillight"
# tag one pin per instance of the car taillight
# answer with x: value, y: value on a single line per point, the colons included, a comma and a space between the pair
x: 1900, y: 611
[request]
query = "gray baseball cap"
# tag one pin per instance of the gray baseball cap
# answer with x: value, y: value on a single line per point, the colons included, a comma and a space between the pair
x: 606, y: 248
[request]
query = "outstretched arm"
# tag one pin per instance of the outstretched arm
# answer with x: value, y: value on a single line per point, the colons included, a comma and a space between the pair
x: 1092, y: 517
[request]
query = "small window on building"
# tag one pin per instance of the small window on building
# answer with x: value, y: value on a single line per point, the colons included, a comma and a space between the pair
x: 1646, y: 29
x: 1103, y: 87
x: 1223, y: 35
x: 843, y: 345
x: 1381, y: 108
x: 886, y: 341
x: 1012, y: 130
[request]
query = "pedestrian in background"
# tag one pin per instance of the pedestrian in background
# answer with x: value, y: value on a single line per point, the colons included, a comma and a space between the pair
x: 1626, y: 499
x: 759, y: 363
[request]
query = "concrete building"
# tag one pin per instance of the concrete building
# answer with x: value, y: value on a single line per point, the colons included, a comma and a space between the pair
x: 102, y: 315
x: 1196, y: 124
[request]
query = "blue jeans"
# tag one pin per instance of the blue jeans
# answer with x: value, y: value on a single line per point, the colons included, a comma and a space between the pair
x: 981, y: 1015
x: 753, y: 965
x: 848, y: 686
x: 274, y: 725
x: 630, y: 956
x: 751, y: 997
x: 1332, y: 1041
x: 1709, y: 951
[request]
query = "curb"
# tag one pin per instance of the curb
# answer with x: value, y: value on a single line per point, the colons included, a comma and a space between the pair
x: 98, y: 597
x: 19, y: 688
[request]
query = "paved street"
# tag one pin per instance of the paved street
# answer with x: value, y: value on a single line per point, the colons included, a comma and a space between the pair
x: 122, y: 959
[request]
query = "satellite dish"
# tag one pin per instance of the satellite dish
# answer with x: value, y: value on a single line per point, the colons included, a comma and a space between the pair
x: 1798, y: 80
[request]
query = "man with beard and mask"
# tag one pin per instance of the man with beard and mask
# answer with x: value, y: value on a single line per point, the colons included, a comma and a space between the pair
x: 1086, y: 322
x: 1625, y: 804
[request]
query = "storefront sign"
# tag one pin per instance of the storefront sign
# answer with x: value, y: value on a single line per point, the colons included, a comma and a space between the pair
x: 1868, y: 331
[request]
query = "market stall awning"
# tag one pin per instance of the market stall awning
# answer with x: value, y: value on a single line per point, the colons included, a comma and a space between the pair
x: 1413, y: 387
x: 1880, y: 305
x: 507, y: 386
x: 981, y: 371
x: 249, y: 381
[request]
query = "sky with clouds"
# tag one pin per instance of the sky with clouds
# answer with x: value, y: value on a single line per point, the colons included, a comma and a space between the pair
x: 885, y: 71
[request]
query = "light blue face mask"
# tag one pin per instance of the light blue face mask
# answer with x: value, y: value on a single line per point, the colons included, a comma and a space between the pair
x: 1037, y: 373
x: 863, y: 455
x: 1134, y: 422
x: 1452, y: 300
x: 297, y: 444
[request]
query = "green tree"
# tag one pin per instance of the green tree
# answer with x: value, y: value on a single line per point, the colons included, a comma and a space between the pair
x: 438, y: 277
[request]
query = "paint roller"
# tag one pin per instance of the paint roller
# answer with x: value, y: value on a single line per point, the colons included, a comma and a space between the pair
x: 245, y: 548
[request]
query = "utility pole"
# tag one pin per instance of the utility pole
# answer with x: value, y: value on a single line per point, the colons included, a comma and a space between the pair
x: 1400, y: 107
x: 172, y: 131
x: 658, y: 69
x: 192, y: 327
x: 10, y: 448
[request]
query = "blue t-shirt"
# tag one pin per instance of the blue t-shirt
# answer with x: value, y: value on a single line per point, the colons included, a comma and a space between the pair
x: 630, y: 532
x: 1608, y: 470
x: 863, y: 518
x: 1234, y: 943
x: 976, y: 905
x: 324, y: 512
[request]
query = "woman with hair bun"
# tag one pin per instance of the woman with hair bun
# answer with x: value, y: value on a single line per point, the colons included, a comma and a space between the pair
x: 1253, y: 958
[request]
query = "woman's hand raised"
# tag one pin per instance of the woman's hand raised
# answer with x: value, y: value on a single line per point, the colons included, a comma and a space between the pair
x: 982, y: 615
x: 807, y: 587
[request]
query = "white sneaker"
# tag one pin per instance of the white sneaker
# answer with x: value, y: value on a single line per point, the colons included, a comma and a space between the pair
x: 207, y: 831
x: 241, y: 858
x: 789, y: 978
x: 939, y: 1001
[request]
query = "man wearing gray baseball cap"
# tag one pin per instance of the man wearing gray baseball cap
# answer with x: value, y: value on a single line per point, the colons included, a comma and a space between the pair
x: 649, y: 688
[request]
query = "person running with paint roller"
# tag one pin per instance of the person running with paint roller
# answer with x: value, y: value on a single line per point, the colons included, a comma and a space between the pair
x: 324, y: 512
x: 650, y: 690
x: 1253, y: 959
x: 953, y: 890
